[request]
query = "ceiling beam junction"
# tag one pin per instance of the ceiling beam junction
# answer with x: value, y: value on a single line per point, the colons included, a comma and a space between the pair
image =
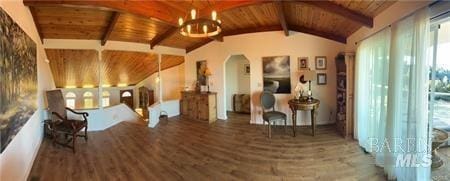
x: 112, y: 24
x: 198, y: 45
x: 282, y: 17
x: 159, y: 38
x: 342, y: 11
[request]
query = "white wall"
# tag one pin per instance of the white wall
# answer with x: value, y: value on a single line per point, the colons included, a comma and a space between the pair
x: 172, y: 83
x: 100, y: 119
x: 171, y: 107
x: 17, y: 159
x: 255, y: 46
x: 237, y: 82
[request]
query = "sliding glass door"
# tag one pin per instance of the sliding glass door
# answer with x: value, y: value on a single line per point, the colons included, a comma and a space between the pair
x: 440, y: 77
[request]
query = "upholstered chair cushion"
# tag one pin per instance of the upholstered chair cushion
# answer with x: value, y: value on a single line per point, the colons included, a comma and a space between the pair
x: 56, y: 102
x: 274, y: 115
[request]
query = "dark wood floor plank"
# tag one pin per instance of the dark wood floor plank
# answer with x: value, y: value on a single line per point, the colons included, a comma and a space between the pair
x: 182, y: 149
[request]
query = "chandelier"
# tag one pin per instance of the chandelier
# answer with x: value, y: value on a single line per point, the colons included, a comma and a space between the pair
x: 199, y: 27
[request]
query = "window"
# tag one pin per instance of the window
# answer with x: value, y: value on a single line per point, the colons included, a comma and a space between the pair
x: 70, y: 100
x: 105, y: 98
x: 126, y: 94
x: 439, y: 75
x: 88, y: 100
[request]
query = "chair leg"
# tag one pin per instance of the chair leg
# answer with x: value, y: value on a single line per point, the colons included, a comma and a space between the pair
x: 74, y: 137
x: 270, y: 131
x: 285, y: 125
x: 85, y: 133
x: 54, y: 137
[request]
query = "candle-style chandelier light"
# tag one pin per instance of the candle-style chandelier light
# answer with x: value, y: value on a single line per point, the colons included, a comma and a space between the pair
x: 200, y: 27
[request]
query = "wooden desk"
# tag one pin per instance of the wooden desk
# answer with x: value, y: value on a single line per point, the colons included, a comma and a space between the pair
x: 304, y: 105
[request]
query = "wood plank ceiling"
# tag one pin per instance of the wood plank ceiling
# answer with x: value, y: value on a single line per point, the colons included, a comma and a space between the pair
x: 80, y: 68
x: 155, y: 22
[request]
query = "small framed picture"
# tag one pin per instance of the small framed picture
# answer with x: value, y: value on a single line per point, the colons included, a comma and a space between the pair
x: 321, y: 79
x: 247, y: 69
x: 321, y: 63
x: 303, y: 63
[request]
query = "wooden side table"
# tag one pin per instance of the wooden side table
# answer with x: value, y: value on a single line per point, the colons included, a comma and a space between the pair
x: 304, y: 105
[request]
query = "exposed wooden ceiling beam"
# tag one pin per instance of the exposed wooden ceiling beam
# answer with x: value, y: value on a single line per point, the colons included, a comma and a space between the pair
x: 301, y: 29
x: 111, y: 25
x: 198, y: 45
x: 150, y: 9
x: 235, y: 32
x: 322, y: 34
x: 344, y: 12
x: 38, y: 27
x: 159, y: 38
x: 282, y: 17
x: 221, y: 6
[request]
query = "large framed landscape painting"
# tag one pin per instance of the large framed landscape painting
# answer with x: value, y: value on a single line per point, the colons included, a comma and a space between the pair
x: 277, y: 74
x: 18, y: 77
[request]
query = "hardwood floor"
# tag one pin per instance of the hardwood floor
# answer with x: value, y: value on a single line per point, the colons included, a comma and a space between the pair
x: 181, y: 149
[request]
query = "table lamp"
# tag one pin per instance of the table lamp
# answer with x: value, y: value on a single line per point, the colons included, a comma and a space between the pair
x: 308, y: 76
x: 207, y: 74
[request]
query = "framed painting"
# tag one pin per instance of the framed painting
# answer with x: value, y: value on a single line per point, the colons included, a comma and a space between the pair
x: 321, y: 79
x: 303, y: 63
x: 321, y: 63
x: 247, y: 69
x: 18, y: 77
x: 201, y: 68
x: 277, y: 74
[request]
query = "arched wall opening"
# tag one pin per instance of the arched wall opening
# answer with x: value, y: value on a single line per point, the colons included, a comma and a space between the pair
x: 237, y: 90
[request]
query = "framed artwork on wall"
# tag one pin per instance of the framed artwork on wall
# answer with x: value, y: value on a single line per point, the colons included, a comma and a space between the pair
x: 277, y: 74
x: 321, y: 79
x: 201, y: 68
x: 18, y: 77
x: 247, y: 69
x: 321, y: 63
x: 303, y: 63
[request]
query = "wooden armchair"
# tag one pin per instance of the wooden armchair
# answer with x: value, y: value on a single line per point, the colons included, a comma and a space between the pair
x: 60, y: 124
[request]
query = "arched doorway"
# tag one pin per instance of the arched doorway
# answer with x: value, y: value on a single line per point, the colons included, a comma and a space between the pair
x: 126, y: 97
x: 237, y: 86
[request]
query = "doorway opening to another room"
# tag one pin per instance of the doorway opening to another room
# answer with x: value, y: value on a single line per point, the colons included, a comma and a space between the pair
x: 126, y: 97
x: 237, y: 87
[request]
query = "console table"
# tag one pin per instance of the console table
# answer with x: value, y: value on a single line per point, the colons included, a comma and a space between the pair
x: 304, y: 105
x: 199, y: 105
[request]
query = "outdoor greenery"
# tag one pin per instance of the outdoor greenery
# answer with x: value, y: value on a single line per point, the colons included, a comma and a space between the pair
x: 442, y: 84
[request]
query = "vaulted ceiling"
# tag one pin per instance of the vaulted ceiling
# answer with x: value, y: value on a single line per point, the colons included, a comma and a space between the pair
x: 155, y: 22
x: 81, y: 68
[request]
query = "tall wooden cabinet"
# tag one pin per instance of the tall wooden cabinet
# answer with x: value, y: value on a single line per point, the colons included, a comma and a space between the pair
x: 344, y: 94
x: 146, y: 99
x: 200, y: 106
